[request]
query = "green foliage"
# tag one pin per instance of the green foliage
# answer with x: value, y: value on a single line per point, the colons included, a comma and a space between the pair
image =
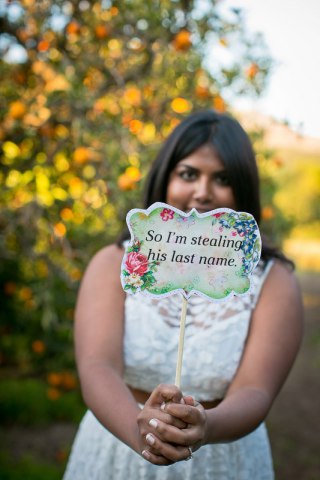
x: 32, y: 402
x: 290, y: 193
x: 83, y: 112
x: 28, y: 469
x: 300, y: 178
x: 275, y: 224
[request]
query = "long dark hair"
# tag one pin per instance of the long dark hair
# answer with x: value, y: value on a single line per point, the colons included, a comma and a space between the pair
x: 233, y: 147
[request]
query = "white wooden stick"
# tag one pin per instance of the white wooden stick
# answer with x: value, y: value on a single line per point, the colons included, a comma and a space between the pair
x: 181, y: 341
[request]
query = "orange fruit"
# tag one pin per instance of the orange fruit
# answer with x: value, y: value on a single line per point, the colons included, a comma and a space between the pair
x: 182, y: 40
x: 73, y: 27
x: 267, y: 213
x: 219, y: 104
x: 38, y: 346
x: 180, y: 105
x: 17, y: 109
x: 125, y: 183
x: 202, y: 92
x: 101, y: 31
x: 81, y: 155
x: 252, y: 71
x: 43, y: 46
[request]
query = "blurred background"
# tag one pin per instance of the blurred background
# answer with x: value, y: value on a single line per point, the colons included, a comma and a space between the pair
x: 88, y: 91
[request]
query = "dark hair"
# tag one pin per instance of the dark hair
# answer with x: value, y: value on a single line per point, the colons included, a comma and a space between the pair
x: 233, y: 147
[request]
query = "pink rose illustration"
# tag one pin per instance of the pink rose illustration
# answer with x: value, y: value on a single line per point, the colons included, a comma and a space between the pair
x: 167, y: 214
x: 137, y: 263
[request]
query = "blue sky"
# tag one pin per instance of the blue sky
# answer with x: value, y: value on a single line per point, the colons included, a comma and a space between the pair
x: 292, y: 32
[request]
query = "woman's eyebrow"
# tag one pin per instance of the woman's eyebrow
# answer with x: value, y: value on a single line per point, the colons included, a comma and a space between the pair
x: 186, y: 165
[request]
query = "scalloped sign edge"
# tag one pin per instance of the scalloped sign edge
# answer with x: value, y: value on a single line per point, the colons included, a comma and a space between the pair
x: 143, y: 276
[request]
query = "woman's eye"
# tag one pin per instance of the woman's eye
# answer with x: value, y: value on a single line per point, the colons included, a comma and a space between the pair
x: 187, y: 175
x: 222, y: 179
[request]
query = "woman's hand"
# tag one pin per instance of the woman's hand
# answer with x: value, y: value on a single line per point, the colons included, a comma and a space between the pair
x: 194, y: 415
x: 154, y: 447
x: 166, y: 434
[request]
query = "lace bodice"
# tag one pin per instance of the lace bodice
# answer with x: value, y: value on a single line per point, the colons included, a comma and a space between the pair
x: 215, y: 336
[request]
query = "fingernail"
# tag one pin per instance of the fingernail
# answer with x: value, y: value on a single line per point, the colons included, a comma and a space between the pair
x: 150, y: 439
x: 145, y: 454
x: 163, y: 406
x: 153, y: 423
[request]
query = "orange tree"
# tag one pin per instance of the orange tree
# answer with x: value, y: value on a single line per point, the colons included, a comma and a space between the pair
x: 89, y: 89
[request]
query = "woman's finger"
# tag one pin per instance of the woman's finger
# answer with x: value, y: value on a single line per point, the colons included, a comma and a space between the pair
x: 193, y: 435
x: 148, y: 413
x: 155, y: 458
x: 168, y: 433
x: 186, y: 413
x: 174, y: 453
x: 163, y: 394
x: 165, y: 418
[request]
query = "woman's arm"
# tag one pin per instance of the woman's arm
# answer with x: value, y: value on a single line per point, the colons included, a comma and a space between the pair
x: 99, y: 326
x: 99, y: 329
x: 272, y: 345
x: 273, y: 342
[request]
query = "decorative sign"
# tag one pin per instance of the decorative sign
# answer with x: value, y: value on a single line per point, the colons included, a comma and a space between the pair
x: 210, y: 254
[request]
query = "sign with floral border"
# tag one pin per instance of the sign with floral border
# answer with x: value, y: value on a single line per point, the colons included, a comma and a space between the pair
x: 210, y: 254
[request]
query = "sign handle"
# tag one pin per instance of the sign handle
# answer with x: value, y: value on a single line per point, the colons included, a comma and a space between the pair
x: 181, y: 341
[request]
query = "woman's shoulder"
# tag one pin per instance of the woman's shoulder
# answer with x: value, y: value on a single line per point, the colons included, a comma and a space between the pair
x: 281, y: 287
x: 106, y: 262
x: 109, y: 253
x: 282, y: 276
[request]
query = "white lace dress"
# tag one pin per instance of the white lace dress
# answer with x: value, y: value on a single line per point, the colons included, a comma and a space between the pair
x: 214, y: 340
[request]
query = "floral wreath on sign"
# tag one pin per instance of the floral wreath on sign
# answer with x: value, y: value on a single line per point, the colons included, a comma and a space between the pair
x: 244, y: 226
x: 138, y: 272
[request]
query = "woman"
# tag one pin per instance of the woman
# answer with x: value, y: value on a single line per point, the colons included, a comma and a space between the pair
x: 237, y: 353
